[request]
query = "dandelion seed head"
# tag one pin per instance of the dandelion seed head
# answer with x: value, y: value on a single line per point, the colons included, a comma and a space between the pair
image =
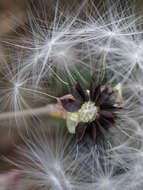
x: 77, y: 44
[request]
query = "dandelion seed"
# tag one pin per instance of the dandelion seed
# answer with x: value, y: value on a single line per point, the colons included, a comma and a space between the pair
x: 47, y: 160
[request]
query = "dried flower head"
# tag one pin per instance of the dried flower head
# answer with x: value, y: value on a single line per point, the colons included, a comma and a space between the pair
x: 90, y: 113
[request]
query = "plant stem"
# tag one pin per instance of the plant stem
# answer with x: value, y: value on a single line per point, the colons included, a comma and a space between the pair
x: 51, y: 110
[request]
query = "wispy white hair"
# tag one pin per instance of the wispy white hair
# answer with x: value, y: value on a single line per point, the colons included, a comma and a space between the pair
x: 106, y: 36
x: 105, y: 39
x: 52, y: 160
